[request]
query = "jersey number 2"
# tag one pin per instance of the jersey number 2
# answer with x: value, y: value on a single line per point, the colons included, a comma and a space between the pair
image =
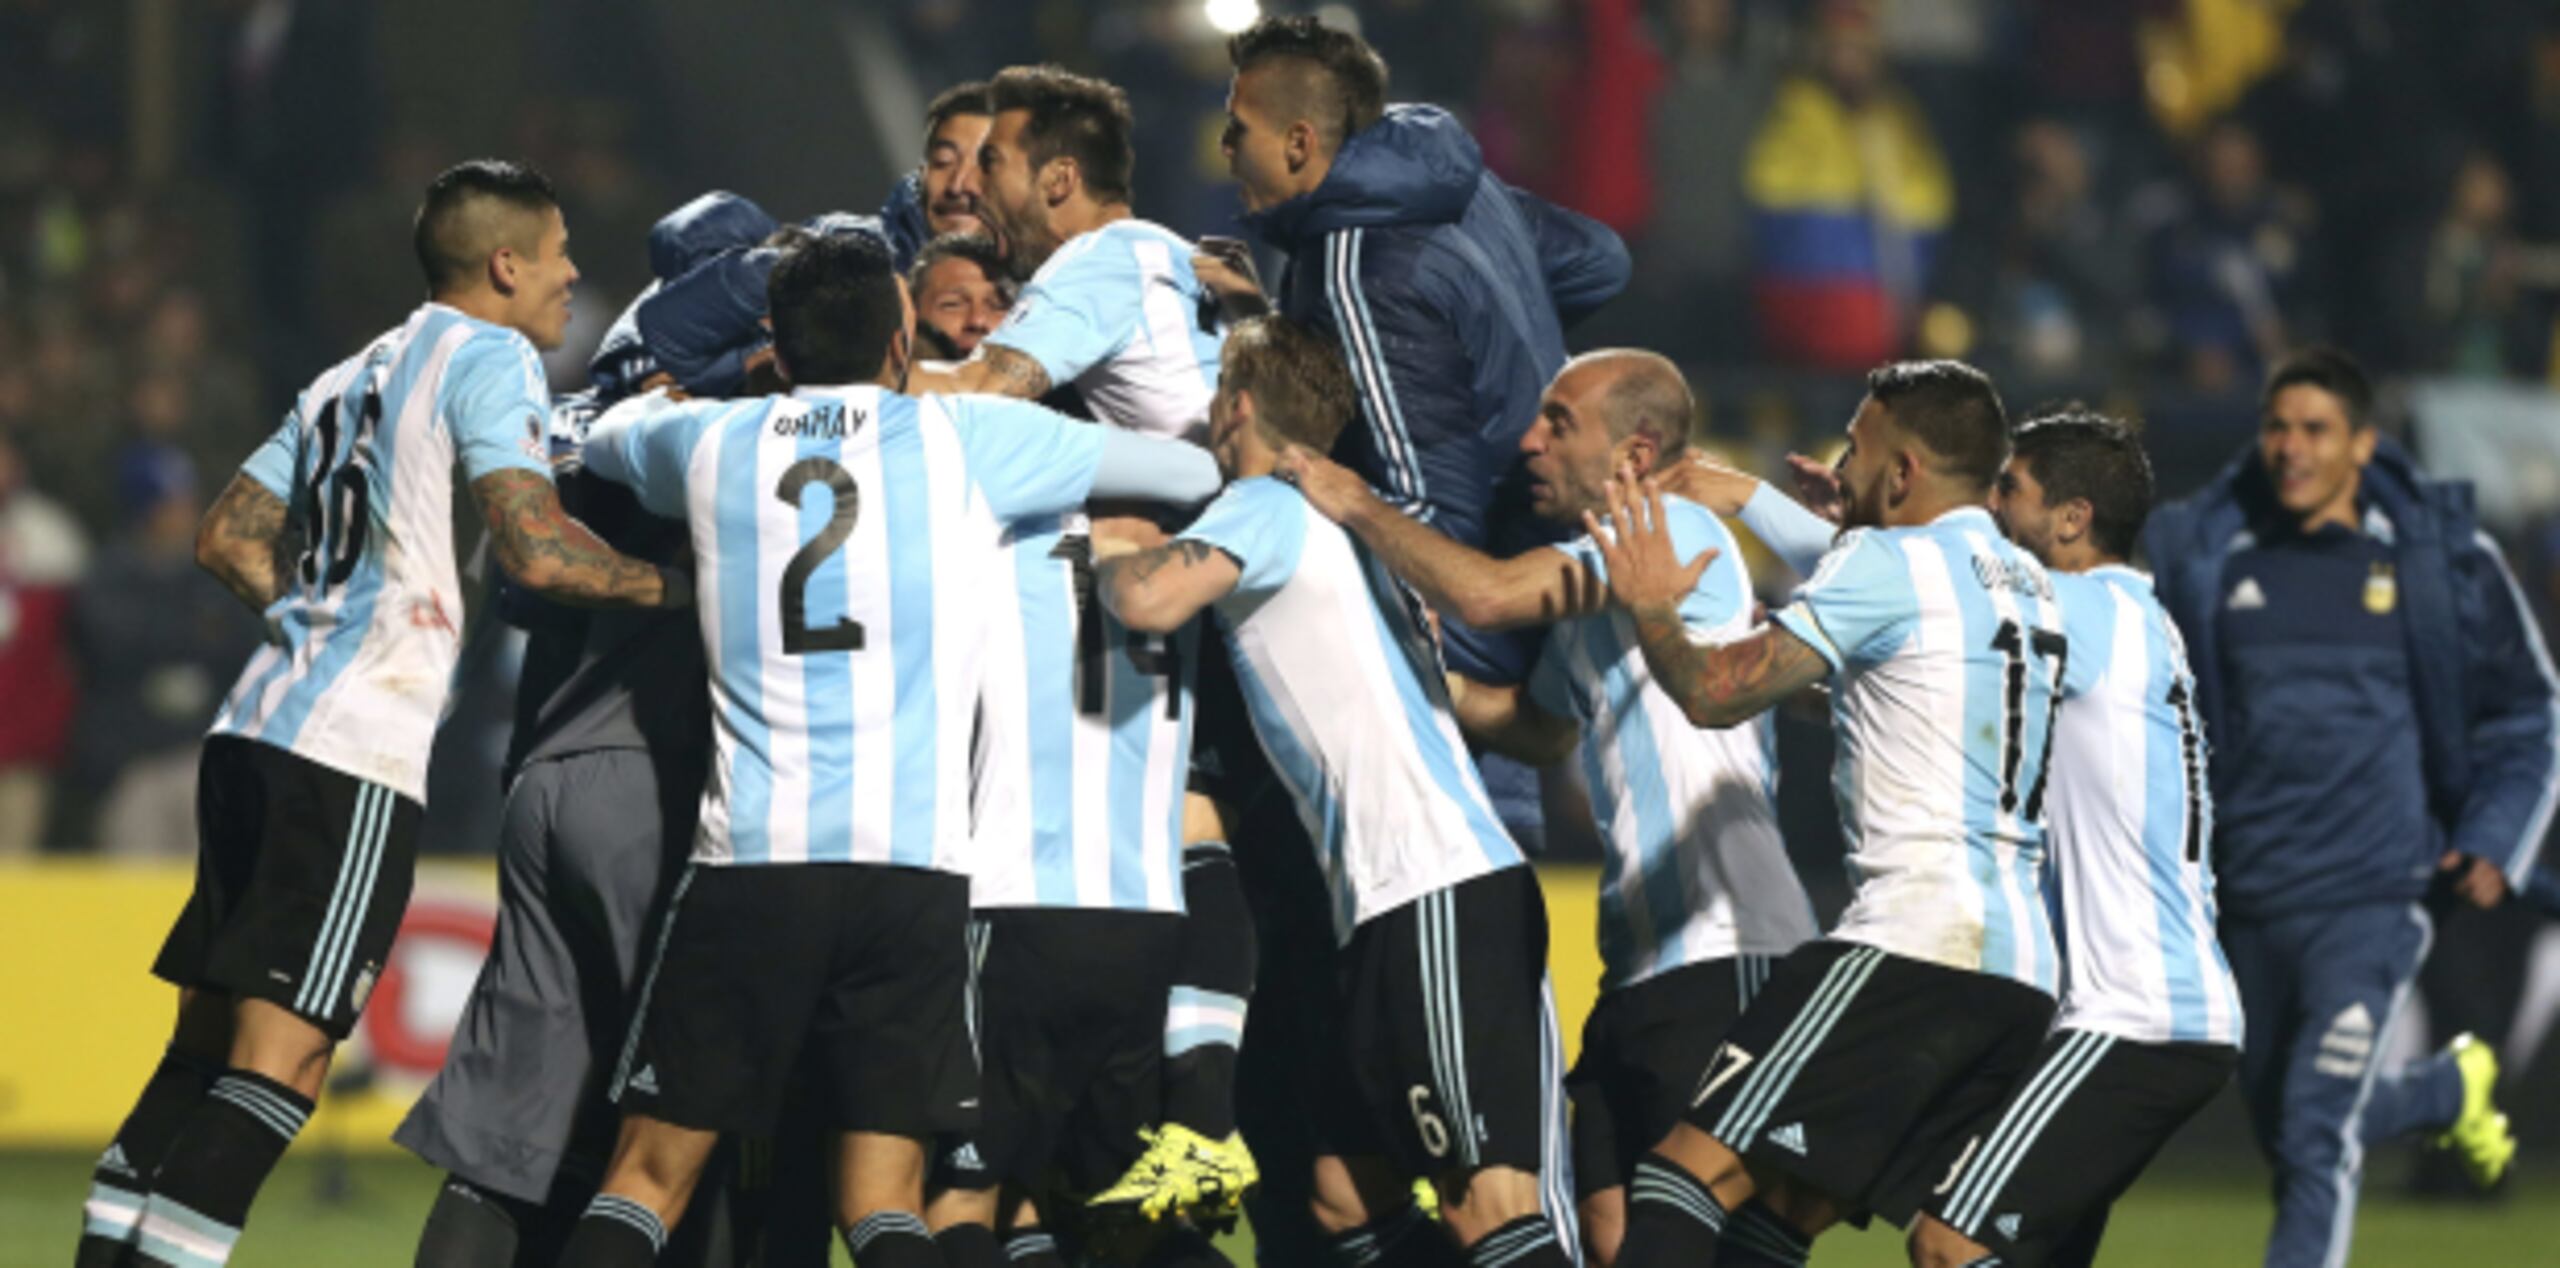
x: 846, y: 634
x: 2015, y: 644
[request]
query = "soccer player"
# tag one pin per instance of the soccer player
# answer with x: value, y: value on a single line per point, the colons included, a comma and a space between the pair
x: 314, y: 776
x: 1446, y: 1065
x: 1697, y: 897
x: 1113, y: 308
x: 849, y: 532
x: 962, y: 293
x: 1945, y: 646
x: 931, y: 201
x: 2149, y: 1029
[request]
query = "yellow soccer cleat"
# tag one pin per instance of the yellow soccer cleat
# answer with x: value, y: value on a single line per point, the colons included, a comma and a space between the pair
x: 2480, y: 1136
x: 1184, y: 1173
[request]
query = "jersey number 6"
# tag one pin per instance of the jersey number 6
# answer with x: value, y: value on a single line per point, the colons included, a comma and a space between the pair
x: 846, y: 634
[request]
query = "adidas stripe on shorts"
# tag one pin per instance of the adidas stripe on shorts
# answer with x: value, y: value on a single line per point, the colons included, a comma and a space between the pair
x: 302, y: 876
x: 2036, y: 1174
x: 1853, y: 1066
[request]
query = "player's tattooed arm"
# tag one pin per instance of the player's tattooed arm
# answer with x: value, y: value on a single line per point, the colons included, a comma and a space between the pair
x: 1715, y: 686
x: 1158, y: 589
x: 1538, y: 587
x: 557, y: 557
x: 996, y: 370
x: 242, y: 543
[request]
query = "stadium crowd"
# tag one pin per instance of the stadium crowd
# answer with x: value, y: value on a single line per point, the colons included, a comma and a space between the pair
x: 1844, y: 203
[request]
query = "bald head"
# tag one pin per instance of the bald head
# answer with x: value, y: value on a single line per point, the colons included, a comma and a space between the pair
x: 1643, y: 394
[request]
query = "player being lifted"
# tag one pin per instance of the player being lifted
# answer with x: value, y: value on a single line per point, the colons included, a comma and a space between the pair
x: 1112, y: 308
x: 1697, y: 897
x: 849, y: 533
x: 314, y: 776
x: 1448, y: 1056
x: 1869, y: 1048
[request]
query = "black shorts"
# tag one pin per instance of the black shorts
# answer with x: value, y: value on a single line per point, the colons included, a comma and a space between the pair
x: 1448, y: 1033
x: 1854, y: 1065
x: 1071, y: 1007
x: 1227, y: 762
x: 2039, y: 1171
x: 302, y: 876
x: 1642, y: 1049
x: 866, y: 965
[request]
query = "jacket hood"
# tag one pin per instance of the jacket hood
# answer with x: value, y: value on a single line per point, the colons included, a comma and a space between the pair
x: 1415, y: 165
x: 703, y: 228
x: 902, y: 220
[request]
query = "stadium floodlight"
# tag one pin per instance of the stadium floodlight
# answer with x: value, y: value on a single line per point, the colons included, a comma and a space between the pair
x: 1231, y: 16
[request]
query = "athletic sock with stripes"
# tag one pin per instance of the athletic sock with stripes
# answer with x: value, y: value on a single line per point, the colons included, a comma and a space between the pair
x: 1756, y: 1238
x: 1032, y: 1248
x: 970, y: 1246
x: 1527, y: 1242
x: 891, y: 1239
x: 1205, y: 1023
x: 211, y: 1172
x: 1673, y: 1221
x: 122, y: 1180
x: 616, y: 1232
x: 1406, y: 1239
x: 1987, y: 1261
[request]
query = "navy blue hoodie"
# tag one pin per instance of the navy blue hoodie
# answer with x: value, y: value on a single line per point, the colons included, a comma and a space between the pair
x: 1450, y: 291
x: 2484, y: 706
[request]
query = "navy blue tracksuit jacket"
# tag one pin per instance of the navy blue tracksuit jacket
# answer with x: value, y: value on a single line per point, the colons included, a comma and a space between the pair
x: 2373, y: 698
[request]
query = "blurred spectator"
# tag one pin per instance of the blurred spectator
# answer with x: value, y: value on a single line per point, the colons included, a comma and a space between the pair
x: 42, y: 553
x: 156, y: 643
x: 2047, y: 281
x: 1724, y: 65
x: 2457, y: 290
x: 1850, y: 195
x: 2226, y: 265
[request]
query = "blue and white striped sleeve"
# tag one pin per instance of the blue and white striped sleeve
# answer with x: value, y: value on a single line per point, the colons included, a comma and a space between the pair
x: 1857, y: 607
x: 272, y: 463
x: 1262, y: 525
x: 497, y: 404
x: 646, y: 444
x: 1078, y: 311
x: 1792, y: 533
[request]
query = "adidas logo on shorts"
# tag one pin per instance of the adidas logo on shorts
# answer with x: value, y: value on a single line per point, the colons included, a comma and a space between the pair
x: 1789, y: 1138
x: 115, y: 1161
x: 2008, y: 1226
x: 967, y: 1156
x: 646, y: 1080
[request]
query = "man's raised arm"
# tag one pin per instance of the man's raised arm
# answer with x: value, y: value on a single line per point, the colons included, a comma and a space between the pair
x: 1718, y: 686
x: 1538, y: 587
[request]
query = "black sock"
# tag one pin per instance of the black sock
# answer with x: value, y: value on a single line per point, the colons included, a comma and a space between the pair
x: 1756, y: 1238
x: 1406, y: 1239
x: 1212, y: 981
x: 1527, y: 1242
x: 122, y: 1180
x: 1672, y: 1220
x: 472, y: 1227
x: 891, y: 1239
x: 616, y: 1232
x: 1032, y: 1248
x: 211, y: 1172
x: 970, y: 1246
x: 1182, y: 1246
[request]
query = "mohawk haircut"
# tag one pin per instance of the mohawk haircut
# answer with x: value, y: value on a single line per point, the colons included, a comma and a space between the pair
x: 1072, y: 117
x: 1347, y: 90
x: 472, y: 209
x: 1301, y: 390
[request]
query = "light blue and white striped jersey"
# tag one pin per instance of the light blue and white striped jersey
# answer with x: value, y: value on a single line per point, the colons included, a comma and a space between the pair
x: 1083, y: 742
x: 1694, y: 868
x: 1348, y: 698
x: 845, y: 541
x: 1947, y: 652
x: 1118, y: 312
x: 2131, y: 817
x: 361, y: 645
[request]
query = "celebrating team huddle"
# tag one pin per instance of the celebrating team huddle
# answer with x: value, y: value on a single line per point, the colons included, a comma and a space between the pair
x: 1082, y: 644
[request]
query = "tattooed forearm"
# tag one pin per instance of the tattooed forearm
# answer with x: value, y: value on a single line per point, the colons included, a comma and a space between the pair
x: 1730, y: 684
x: 242, y: 542
x: 1142, y: 567
x: 1157, y: 590
x: 1007, y: 372
x: 559, y: 558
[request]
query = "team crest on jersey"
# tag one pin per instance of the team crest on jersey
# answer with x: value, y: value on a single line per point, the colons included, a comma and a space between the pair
x: 535, y: 445
x: 2382, y: 589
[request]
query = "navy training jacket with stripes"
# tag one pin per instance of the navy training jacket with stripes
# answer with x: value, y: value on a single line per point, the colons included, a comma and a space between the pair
x: 1449, y: 291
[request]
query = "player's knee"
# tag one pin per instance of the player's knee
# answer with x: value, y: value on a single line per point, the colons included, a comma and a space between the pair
x: 1349, y: 1192
x: 1491, y: 1197
x: 960, y: 1206
x: 1934, y: 1245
